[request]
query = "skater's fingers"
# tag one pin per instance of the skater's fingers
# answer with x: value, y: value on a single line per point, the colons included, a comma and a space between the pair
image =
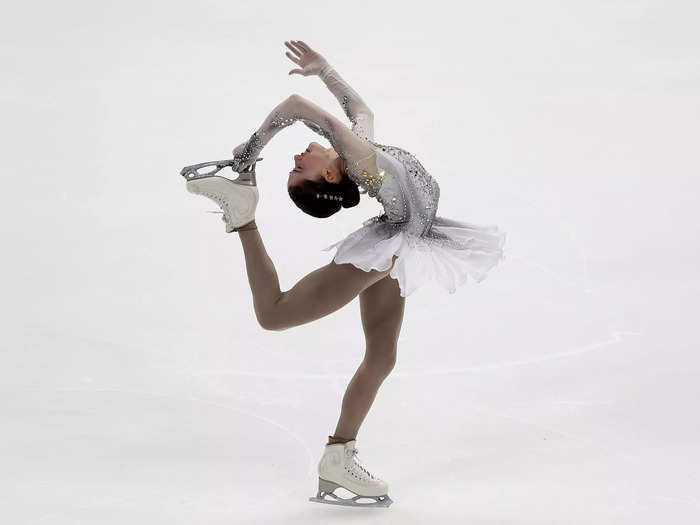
x: 302, y: 45
x: 298, y: 71
x: 293, y: 59
x: 296, y: 51
x: 238, y: 148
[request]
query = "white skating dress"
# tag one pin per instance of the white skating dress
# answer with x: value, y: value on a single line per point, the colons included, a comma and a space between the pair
x: 429, y: 247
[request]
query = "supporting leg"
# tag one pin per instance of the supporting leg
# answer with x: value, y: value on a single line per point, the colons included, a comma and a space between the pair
x: 382, y: 309
x: 359, y: 397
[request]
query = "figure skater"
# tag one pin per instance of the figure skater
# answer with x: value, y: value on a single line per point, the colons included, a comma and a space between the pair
x: 382, y: 262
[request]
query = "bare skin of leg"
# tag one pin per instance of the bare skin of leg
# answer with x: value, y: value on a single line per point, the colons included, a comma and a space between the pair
x: 316, y: 295
x: 320, y: 293
x: 381, y: 308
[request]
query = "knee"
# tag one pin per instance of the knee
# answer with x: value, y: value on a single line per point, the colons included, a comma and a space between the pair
x: 265, y: 325
x: 268, y: 321
x: 381, y: 363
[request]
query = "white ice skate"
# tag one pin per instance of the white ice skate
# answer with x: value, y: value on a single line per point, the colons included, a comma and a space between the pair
x: 340, y: 467
x: 237, y: 198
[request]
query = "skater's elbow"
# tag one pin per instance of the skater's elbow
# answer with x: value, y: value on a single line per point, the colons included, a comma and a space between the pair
x: 297, y: 101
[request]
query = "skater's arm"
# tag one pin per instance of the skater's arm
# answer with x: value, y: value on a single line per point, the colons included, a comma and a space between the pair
x: 359, y: 155
x: 354, y: 107
x: 313, y: 63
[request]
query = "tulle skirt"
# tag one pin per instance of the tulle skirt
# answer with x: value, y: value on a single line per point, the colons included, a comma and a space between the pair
x: 447, y: 253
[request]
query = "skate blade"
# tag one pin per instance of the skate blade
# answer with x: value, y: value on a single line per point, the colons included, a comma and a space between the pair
x: 384, y: 502
x: 244, y: 178
x: 197, y: 171
x: 326, y: 488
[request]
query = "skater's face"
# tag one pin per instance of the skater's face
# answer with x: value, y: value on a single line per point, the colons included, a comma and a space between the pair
x: 311, y: 164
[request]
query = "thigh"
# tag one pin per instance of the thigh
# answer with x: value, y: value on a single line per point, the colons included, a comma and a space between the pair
x: 322, y: 292
x: 381, y: 309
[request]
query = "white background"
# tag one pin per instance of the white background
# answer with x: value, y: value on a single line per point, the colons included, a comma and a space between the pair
x: 136, y: 386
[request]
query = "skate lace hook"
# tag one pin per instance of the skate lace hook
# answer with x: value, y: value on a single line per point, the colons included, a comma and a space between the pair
x: 354, y: 453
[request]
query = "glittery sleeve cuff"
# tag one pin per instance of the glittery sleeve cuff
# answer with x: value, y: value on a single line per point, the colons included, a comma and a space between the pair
x: 323, y: 74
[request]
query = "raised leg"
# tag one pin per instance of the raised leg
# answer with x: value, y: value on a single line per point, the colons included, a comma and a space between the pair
x: 318, y: 294
x: 381, y: 308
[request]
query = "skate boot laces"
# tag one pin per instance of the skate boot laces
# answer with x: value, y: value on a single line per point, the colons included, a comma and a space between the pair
x: 357, y: 464
x: 224, y: 217
x: 221, y: 203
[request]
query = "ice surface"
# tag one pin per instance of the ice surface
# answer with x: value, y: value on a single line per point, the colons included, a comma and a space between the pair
x: 135, y: 384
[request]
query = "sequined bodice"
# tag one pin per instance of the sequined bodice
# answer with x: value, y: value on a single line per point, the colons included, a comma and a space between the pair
x: 405, y: 189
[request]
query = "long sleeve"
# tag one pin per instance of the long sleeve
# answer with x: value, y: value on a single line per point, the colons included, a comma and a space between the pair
x: 359, y: 155
x: 357, y: 111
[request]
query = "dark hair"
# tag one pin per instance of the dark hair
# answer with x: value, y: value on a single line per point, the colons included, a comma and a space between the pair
x: 322, y: 199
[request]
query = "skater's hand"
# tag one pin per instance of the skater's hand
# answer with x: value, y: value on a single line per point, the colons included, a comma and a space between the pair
x: 238, y: 150
x: 310, y: 61
x: 240, y: 161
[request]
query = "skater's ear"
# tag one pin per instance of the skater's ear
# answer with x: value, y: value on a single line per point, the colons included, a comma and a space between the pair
x: 331, y: 175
